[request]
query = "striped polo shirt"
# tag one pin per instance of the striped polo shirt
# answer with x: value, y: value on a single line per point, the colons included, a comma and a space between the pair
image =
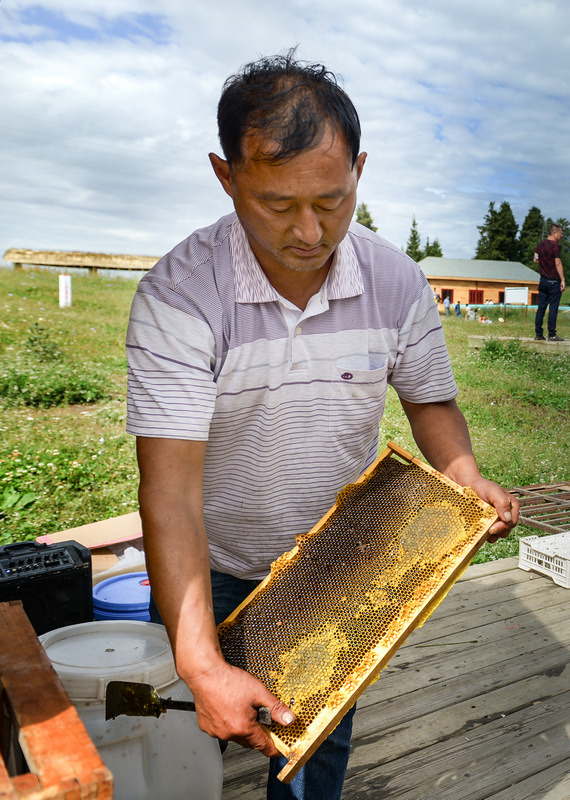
x: 290, y: 405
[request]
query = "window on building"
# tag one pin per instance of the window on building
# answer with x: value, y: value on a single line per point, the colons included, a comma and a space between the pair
x: 475, y: 297
x: 501, y: 297
x: 447, y: 293
x: 534, y: 298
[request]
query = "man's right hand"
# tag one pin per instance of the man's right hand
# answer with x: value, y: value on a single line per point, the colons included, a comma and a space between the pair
x: 227, y: 699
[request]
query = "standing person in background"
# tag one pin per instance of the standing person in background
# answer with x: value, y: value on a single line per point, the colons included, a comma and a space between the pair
x: 260, y: 351
x: 552, y: 283
x: 446, y: 305
x: 458, y: 310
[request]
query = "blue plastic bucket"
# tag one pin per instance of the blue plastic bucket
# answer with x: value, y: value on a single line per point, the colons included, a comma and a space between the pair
x: 123, y: 597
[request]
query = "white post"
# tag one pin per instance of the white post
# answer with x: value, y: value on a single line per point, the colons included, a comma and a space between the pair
x: 64, y: 291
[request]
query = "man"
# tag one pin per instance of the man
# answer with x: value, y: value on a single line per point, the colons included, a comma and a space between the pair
x: 551, y: 285
x: 260, y: 350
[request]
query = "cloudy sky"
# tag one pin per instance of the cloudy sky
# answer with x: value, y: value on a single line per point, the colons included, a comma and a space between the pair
x: 108, y: 112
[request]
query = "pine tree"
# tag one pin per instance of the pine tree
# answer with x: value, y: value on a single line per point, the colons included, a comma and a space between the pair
x: 498, y: 235
x: 363, y: 216
x: 532, y: 232
x: 433, y: 249
x: 413, y: 248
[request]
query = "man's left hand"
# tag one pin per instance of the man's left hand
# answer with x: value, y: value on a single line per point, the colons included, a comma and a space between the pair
x: 506, y: 505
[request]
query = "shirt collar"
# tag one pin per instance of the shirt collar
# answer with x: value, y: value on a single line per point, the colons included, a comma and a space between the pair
x: 252, y: 285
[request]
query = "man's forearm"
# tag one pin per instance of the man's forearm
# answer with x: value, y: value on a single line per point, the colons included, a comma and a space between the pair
x: 178, y: 562
x: 177, y: 553
x: 441, y: 433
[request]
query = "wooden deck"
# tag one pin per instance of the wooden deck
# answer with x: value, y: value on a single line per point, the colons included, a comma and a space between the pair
x: 475, y: 706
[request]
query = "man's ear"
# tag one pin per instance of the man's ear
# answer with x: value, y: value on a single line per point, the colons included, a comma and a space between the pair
x: 360, y: 164
x: 223, y: 172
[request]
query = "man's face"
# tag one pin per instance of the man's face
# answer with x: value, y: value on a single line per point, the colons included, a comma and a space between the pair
x: 295, y: 214
x: 558, y: 234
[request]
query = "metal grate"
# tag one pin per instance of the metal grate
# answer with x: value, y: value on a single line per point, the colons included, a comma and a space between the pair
x: 545, y: 506
x: 333, y: 611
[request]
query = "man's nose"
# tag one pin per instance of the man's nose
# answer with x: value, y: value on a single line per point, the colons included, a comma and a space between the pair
x: 307, y: 227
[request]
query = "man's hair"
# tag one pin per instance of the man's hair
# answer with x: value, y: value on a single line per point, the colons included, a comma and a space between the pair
x: 554, y: 227
x: 287, y: 102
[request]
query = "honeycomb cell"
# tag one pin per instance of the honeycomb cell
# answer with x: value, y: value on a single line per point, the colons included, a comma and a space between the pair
x: 335, y: 608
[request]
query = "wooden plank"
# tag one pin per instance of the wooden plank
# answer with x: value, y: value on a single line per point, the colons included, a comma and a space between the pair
x: 488, y: 568
x: 474, y: 765
x: 549, y: 784
x: 397, y: 737
x: 79, y: 259
x: 54, y: 741
x: 431, y: 693
x: 540, y: 526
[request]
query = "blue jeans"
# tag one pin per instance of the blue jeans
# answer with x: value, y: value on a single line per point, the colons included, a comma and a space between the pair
x: 549, y: 294
x: 322, y: 777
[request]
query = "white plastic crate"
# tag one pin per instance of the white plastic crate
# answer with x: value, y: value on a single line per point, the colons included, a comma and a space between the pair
x: 549, y: 555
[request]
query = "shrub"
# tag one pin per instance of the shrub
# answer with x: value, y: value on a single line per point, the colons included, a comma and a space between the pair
x: 47, y: 385
x: 40, y: 344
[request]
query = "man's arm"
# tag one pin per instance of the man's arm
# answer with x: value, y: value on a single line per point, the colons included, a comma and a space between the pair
x: 560, y: 271
x: 177, y: 556
x: 441, y: 434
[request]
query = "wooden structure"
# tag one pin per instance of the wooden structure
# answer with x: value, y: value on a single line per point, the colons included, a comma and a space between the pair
x: 62, y: 760
x: 335, y: 609
x: 545, y: 506
x: 91, y: 261
x: 474, y: 282
x: 529, y: 343
x: 474, y: 706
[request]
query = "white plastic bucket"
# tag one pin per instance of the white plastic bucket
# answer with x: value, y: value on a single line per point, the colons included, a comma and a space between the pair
x: 168, y: 758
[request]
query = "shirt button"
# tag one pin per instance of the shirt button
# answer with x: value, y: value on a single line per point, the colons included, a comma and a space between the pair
x: 298, y: 331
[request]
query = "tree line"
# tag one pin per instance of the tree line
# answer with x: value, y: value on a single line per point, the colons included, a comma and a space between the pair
x: 499, y: 236
x: 501, y: 240
x: 414, y: 246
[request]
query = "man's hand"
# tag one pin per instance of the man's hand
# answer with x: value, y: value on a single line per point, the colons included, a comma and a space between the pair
x: 227, y: 699
x: 506, y: 505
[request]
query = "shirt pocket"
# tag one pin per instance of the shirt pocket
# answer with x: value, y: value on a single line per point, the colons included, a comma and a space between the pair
x: 357, y: 398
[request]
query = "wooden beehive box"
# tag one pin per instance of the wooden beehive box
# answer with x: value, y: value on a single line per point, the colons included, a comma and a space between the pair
x: 63, y: 761
x: 333, y: 611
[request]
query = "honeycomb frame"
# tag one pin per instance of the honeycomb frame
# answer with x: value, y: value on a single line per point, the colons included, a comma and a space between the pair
x: 334, y: 610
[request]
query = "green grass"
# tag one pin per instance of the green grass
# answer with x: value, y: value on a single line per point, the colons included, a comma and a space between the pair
x: 65, y: 459
x: 517, y: 405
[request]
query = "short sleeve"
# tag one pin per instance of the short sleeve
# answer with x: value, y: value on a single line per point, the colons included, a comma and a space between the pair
x: 422, y: 371
x: 171, y: 354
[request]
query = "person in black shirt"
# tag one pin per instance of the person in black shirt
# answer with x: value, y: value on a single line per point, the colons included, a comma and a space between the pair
x: 552, y: 283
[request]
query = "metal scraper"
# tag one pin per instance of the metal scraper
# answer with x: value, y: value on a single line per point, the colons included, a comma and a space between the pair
x: 142, y: 700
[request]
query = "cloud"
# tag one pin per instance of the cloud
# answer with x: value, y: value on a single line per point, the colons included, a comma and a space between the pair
x: 109, y: 112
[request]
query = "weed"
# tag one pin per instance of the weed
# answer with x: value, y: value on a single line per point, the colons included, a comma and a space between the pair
x: 497, y: 350
x: 40, y: 343
x: 48, y: 385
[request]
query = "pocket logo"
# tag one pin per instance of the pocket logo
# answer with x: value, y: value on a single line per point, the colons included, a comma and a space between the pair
x: 347, y: 376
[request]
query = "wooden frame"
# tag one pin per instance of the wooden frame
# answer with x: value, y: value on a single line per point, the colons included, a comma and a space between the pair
x: 63, y: 761
x: 544, y: 506
x: 369, y: 669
